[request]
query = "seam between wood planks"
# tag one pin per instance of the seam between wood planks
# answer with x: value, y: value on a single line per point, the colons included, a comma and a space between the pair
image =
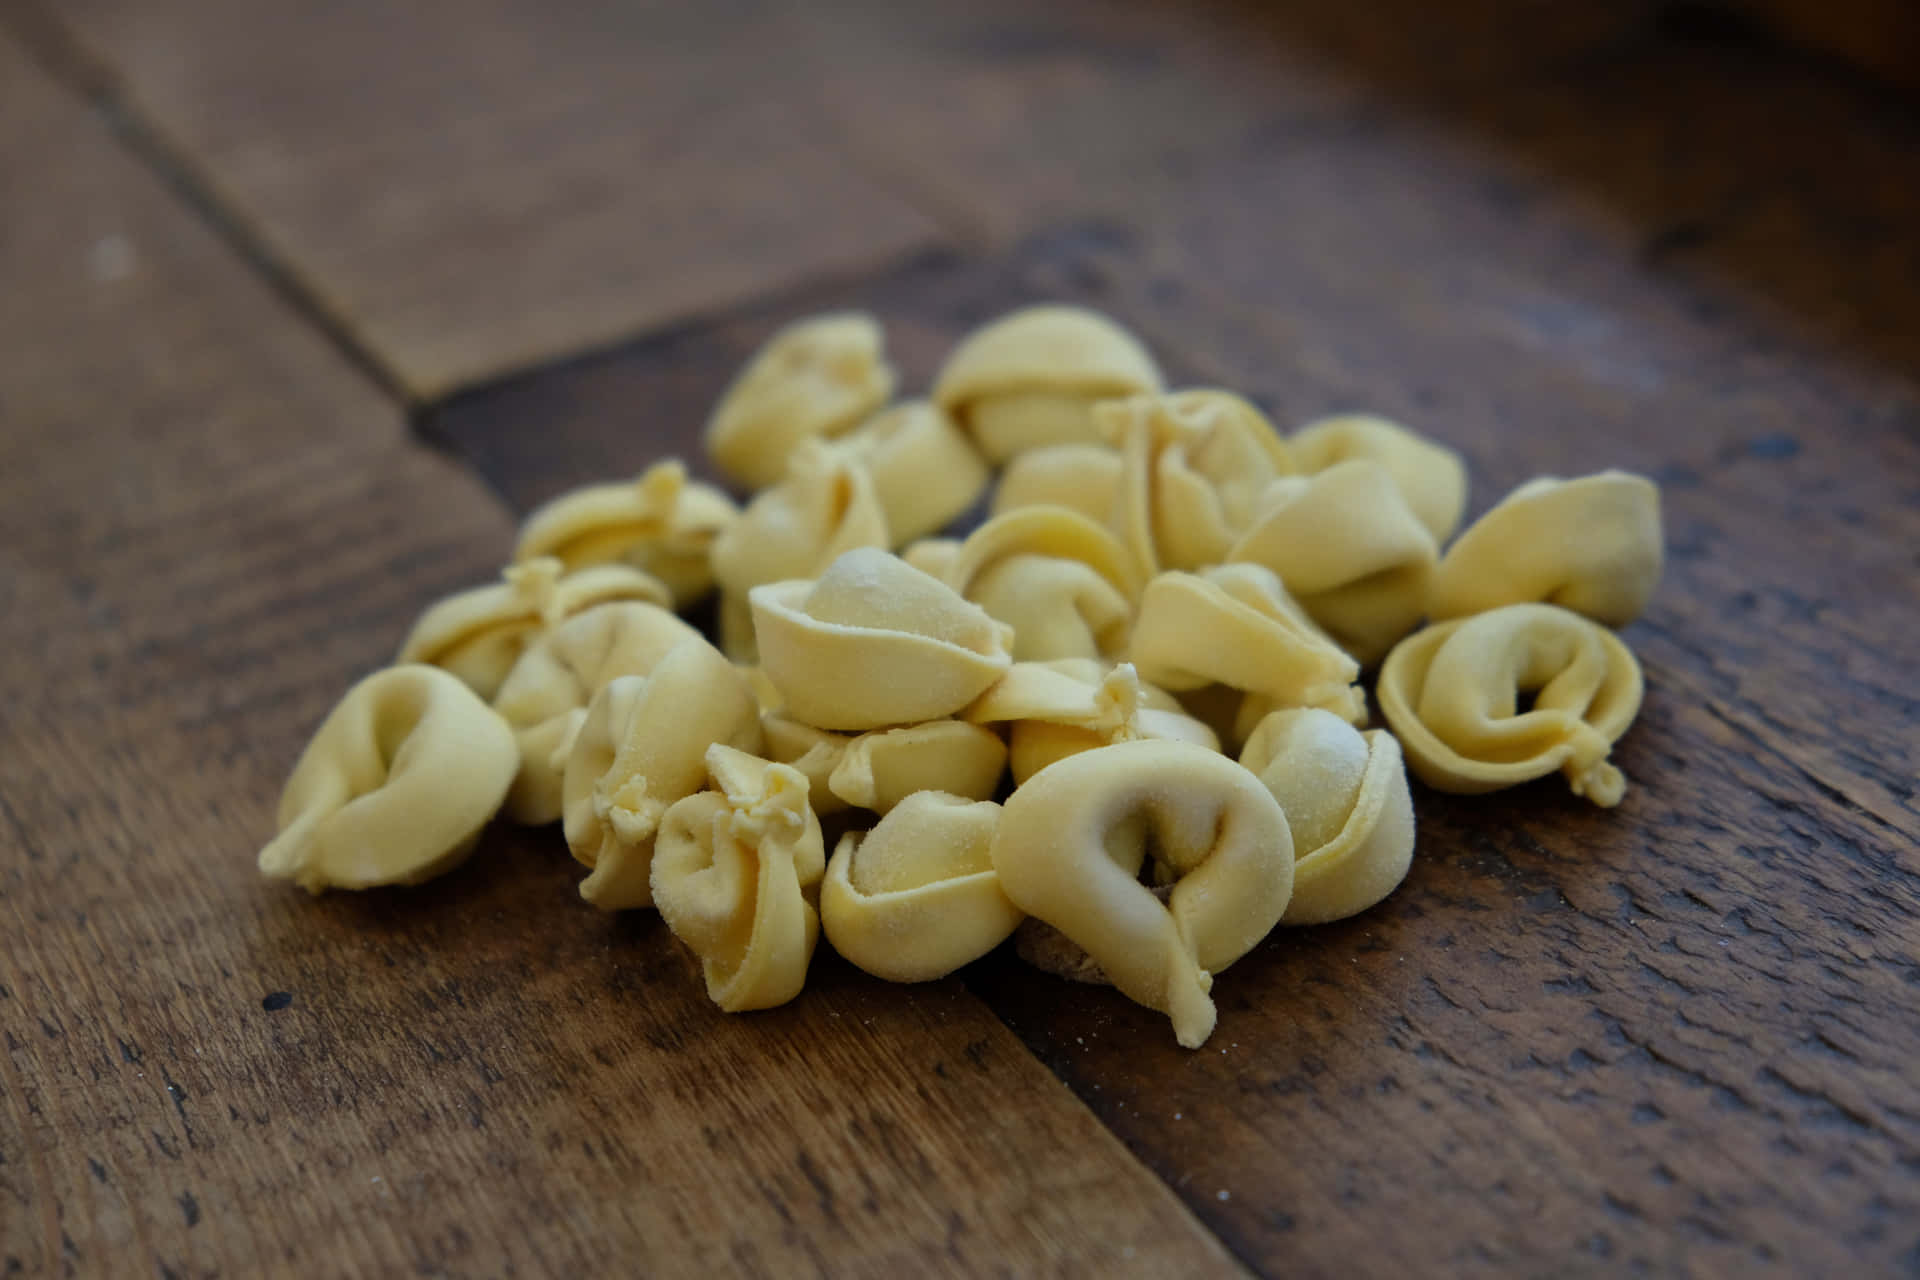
x: 48, y: 43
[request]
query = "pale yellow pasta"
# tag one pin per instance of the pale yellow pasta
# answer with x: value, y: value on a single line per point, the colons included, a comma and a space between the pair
x: 814, y: 752
x: 1350, y: 550
x: 479, y: 634
x: 1030, y: 378
x: 873, y: 643
x: 643, y: 746
x: 1072, y: 842
x: 1237, y: 625
x: 736, y: 877
x: 394, y: 787
x: 1452, y: 693
x: 1431, y: 477
x: 1079, y: 477
x: 1348, y: 807
x: 763, y: 691
x: 925, y: 471
x: 1194, y: 467
x: 544, y: 698
x: 818, y: 377
x: 1592, y: 545
x: 932, y: 556
x: 1063, y: 583
x: 660, y: 524
x: 917, y: 897
x: 1060, y: 708
x: 823, y: 506
x: 878, y: 770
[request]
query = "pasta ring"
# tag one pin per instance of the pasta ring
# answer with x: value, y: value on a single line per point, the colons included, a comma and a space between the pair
x: 1072, y: 841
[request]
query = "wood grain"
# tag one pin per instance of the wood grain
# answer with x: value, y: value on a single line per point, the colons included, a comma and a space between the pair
x: 208, y: 525
x: 472, y: 189
x: 1669, y: 1038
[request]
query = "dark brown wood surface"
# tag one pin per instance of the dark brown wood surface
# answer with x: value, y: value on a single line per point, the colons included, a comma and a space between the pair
x: 211, y: 526
x: 468, y: 189
x: 1675, y: 1038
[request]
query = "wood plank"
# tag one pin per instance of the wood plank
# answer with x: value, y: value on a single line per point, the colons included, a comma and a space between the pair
x: 208, y: 525
x: 472, y: 192
x: 1671, y: 1037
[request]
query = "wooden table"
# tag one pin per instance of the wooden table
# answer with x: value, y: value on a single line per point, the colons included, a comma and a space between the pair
x: 302, y: 305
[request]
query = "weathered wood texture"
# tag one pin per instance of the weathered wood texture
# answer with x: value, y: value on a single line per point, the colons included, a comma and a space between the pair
x: 1675, y: 1037
x: 209, y: 525
x: 468, y: 189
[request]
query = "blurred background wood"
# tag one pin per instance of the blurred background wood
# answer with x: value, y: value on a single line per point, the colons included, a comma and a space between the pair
x: 1671, y: 1039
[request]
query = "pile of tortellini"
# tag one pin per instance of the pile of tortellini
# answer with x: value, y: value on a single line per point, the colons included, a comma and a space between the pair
x: 1121, y: 718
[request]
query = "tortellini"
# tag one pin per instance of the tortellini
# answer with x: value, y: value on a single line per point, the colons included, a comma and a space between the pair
x: 1063, y: 583
x: 1194, y: 467
x: 1072, y: 842
x: 479, y: 634
x: 1032, y: 377
x: 1592, y: 545
x: 1057, y: 709
x: 917, y: 897
x: 925, y: 472
x: 874, y: 642
x: 818, y: 377
x: 1350, y: 550
x: 932, y: 556
x: 394, y: 786
x: 736, y: 876
x: 814, y: 752
x: 824, y: 506
x: 545, y: 697
x: 1079, y: 477
x: 879, y: 770
x: 1452, y: 694
x: 642, y: 747
x: 660, y: 524
x: 1348, y: 808
x: 1236, y: 625
x: 1431, y: 477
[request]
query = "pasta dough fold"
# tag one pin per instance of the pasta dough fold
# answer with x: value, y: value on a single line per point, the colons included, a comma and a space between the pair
x: 1236, y: 625
x: 824, y: 506
x: 1348, y: 807
x: 545, y: 697
x: 1452, y: 694
x: 1031, y: 378
x: 1057, y: 709
x: 1080, y: 477
x: 1431, y: 477
x: 394, y: 787
x: 873, y: 643
x: 917, y: 897
x: 736, y: 877
x: 660, y: 524
x: 480, y: 633
x: 925, y: 471
x: 1350, y: 550
x: 880, y: 770
x: 1072, y: 842
x: 642, y: 747
x: 1592, y: 545
x: 817, y: 377
x: 1194, y: 465
x: 1063, y: 583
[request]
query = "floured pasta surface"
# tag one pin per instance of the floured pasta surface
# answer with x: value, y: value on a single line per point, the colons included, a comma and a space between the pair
x: 1125, y: 719
x: 395, y: 785
x: 1453, y: 692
